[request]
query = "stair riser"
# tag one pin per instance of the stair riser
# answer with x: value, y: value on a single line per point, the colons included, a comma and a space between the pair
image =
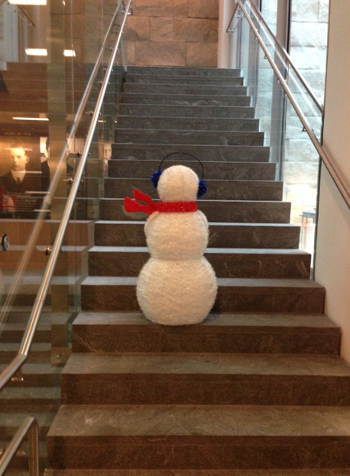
x: 17, y: 335
x: 203, y: 152
x: 189, y: 137
x: 221, y: 236
x: 33, y: 358
x: 229, y: 299
x: 168, y: 389
x: 185, y: 124
x: 185, y: 71
x: 174, y: 79
x: 218, y: 190
x: 233, y: 212
x: 185, y: 100
x: 169, y: 452
x: 184, y: 111
x: 184, y: 89
x: 225, y: 266
x: 214, y: 170
x: 112, y: 339
x: 30, y: 406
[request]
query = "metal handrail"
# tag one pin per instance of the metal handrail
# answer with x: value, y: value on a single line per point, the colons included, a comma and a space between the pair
x: 27, y: 340
x: 30, y: 428
x: 325, y: 158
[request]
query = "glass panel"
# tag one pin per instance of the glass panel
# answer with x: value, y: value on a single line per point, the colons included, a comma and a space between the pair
x: 290, y: 146
x: 50, y: 88
x: 308, y: 41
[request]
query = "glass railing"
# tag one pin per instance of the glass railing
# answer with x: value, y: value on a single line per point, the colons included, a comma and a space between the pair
x: 253, y: 49
x: 47, y: 109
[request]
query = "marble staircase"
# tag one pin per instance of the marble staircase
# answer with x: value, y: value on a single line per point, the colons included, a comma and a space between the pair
x: 257, y: 389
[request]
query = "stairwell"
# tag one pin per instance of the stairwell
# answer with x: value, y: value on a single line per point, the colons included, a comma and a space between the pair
x: 257, y: 389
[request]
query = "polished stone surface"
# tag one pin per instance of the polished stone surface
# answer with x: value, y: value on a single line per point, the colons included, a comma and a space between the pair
x: 196, y: 72
x: 185, y: 111
x: 181, y: 79
x: 211, y: 437
x: 185, y: 99
x: 228, y: 153
x: 217, y: 189
x: 205, y: 379
x: 191, y: 123
x: 233, y: 211
x: 234, y: 295
x: 239, y: 333
x: 168, y: 88
x: 133, y: 168
x: 165, y: 136
x: 234, y: 263
x: 222, y: 235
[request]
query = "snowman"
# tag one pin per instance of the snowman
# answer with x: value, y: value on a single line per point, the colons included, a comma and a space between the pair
x: 177, y: 285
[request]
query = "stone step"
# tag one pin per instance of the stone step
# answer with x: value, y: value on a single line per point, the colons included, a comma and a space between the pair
x: 182, y: 99
x: 200, y: 90
x: 37, y: 375
x: 179, y: 138
x: 30, y: 399
x: 163, y: 110
x: 236, y: 333
x: 181, y: 79
x: 10, y: 422
x: 230, y: 153
x: 215, y: 170
x: 13, y: 332
x: 186, y: 124
x: 217, y: 189
x: 231, y: 211
x: 227, y: 263
x: 234, y: 295
x: 205, y: 379
x: 222, y: 235
x: 185, y: 71
x: 201, y: 437
x: 39, y: 352
x: 197, y: 472
x: 19, y: 464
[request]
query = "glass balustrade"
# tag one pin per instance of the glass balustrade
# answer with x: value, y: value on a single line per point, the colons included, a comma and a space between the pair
x: 49, y: 55
x: 297, y: 161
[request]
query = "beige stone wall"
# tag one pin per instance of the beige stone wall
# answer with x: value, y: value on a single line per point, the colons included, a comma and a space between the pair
x: 173, y: 33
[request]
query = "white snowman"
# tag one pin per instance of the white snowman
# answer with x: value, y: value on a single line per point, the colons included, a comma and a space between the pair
x: 177, y: 285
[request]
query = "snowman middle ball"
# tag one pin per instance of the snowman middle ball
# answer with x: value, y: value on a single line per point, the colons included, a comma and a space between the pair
x: 177, y: 285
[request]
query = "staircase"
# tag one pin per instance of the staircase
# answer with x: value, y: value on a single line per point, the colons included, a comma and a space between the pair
x: 257, y: 389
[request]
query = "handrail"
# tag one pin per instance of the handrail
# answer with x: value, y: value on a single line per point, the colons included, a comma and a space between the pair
x: 325, y: 158
x: 30, y: 428
x: 27, y: 340
x: 287, y: 57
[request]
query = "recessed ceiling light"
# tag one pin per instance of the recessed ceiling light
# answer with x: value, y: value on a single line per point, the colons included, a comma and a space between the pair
x: 36, y: 51
x: 17, y: 118
x: 27, y: 2
x: 69, y: 53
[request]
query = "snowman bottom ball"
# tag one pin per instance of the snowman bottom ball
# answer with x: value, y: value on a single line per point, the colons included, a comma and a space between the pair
x: 176, y: 292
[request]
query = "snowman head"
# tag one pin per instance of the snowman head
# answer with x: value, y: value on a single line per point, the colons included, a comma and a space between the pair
x: 178, y: 184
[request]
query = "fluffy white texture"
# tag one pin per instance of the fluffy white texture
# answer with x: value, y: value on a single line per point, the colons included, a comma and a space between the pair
x: 176, y: 292
x: 177, y: 236
x: 178, y: 184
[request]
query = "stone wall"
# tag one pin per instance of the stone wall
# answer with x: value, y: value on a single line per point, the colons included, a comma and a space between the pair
x: 173, y: 33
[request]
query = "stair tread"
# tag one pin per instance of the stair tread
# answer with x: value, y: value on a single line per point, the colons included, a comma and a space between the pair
x: 31, y: 393
x: 229, y: 282
x: 199, y: 422
x: 245, y: 322
x: 197, y: 472
x: 242, y: 251
x: 204, y: 364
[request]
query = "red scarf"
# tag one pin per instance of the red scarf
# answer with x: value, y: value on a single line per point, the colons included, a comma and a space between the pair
x: 151, y: 207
